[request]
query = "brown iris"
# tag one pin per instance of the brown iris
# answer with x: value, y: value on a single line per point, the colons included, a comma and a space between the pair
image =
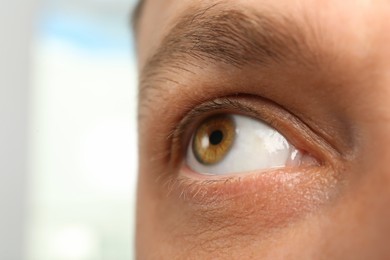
x: 213, y: 139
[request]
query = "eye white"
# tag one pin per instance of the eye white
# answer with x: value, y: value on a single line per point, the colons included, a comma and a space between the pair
x: 257, y: 146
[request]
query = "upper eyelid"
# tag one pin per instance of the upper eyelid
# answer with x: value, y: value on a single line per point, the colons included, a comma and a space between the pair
x: 216, y: 105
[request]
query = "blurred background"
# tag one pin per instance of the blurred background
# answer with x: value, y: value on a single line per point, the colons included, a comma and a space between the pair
x: 68, y: 141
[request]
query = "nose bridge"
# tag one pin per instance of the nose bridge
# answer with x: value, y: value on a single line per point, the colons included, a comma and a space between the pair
x: 372, y: 155
x: 365, y: 221
x: 369, y: 190
x: 373, y: 213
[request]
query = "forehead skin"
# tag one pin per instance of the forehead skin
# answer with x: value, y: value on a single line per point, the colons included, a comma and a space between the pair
x: 352, y: 39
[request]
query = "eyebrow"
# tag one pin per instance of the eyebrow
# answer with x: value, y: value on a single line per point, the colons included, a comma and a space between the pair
x: 221, y: 35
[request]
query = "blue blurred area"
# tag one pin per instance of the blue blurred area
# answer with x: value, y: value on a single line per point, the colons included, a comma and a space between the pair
x: 83, y: 155
x: 93, y: 30
x: 84, y: 34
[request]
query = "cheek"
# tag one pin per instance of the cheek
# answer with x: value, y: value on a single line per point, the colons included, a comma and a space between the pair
x: 254, y: 203
x: 179, y: 216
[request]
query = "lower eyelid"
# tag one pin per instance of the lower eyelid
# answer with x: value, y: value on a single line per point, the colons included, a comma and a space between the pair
x: 274, y: 197
x: 287, y: 172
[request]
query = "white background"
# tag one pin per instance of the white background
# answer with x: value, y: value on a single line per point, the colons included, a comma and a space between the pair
x: 68, y: 135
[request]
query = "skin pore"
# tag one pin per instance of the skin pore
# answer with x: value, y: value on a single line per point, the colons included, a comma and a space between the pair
x: 315, y: 71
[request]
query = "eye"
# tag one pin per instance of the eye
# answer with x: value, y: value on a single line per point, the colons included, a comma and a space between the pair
x: 226, y: 144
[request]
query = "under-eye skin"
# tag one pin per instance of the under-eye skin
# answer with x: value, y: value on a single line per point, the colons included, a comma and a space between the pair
x: 231, y: 144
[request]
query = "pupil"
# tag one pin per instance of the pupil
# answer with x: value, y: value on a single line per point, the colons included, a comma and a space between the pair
x: 216, y: 137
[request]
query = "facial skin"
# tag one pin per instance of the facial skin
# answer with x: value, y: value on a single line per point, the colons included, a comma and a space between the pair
x: 316, y: 71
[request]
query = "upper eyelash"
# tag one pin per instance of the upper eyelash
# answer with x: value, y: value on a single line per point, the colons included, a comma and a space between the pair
x: 213, y: 105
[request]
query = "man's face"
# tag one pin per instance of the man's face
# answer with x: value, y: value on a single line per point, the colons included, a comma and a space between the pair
x: 264, y: 129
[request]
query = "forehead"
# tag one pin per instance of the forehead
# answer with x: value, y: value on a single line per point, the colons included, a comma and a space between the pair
x: 359, y: 27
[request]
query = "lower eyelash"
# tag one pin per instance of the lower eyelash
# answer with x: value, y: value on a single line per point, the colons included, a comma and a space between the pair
x: 192, y: 190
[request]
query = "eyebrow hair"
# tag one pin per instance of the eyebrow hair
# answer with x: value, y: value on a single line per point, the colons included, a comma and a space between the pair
x: 234, y: 37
